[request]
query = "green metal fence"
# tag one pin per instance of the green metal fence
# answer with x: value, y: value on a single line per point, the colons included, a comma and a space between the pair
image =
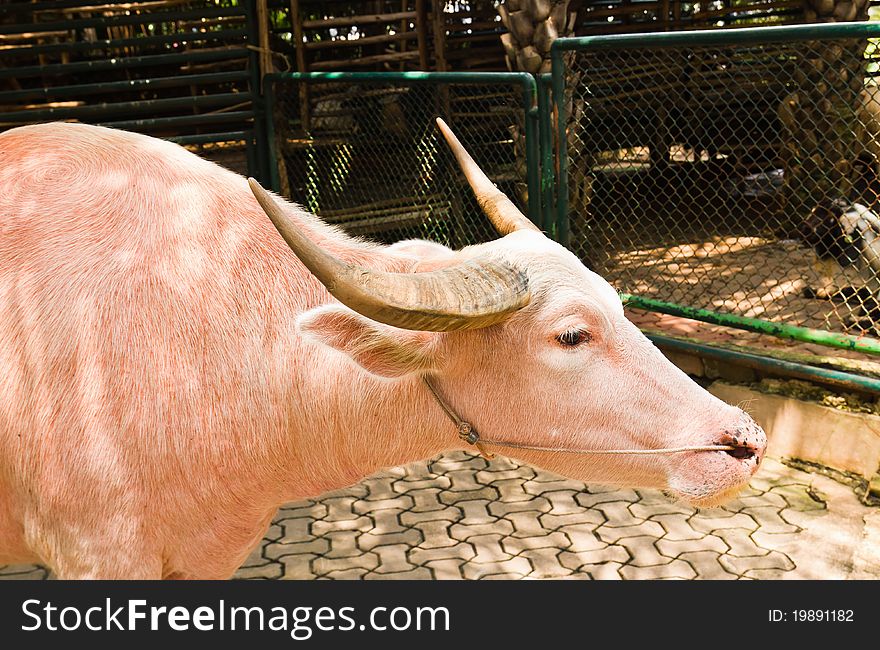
x: 729, y: 176
x: 362, y: 149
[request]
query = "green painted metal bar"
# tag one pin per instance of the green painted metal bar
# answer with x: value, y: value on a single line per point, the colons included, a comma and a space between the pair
x: 206, y: 138
x: 133, y: 85
x: 782, y: 330
x: 114, y: 21
x: 121, y: 64
x: 182, y: 120
x: 143, y: 41
x: 256, y: 86
x: 721, y: 37
x: 271, y: 145
x: 545, y: 121
x: 792, y: 369
x: 529, y: 98
x: 105, y: 110
x: 558, y: 87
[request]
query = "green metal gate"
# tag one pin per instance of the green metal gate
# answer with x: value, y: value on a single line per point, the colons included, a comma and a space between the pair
x: 697, y: 170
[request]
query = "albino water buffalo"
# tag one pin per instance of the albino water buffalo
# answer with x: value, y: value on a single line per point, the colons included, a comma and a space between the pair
x: 171, y: 369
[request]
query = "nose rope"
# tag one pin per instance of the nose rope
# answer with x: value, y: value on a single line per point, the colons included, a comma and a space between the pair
x: 467, y: 433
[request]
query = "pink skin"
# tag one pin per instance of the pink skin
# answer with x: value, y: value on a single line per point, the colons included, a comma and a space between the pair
x: 171, y: 373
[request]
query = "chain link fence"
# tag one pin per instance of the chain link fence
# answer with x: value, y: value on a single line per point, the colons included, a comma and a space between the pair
x: 362, y: 150
x: 731, y: 171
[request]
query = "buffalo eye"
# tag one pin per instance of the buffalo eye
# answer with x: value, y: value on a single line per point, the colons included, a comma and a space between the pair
x: 573, y: 337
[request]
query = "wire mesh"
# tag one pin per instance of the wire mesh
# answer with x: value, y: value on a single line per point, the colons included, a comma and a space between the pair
x: 367, y: 156
x: 738, y: 178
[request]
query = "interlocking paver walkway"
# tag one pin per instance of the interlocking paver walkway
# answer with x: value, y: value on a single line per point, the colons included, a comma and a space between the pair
x: 462, y: 517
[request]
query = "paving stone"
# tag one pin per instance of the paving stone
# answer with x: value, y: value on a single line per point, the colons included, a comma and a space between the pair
x: 407, y: 486
x: 271, y: 571
x: 499, y: 508
x: 511, y: 490
x: 476, y: 512
x: 674, y: 569
x: 255, y: 558
x: 582, y: 537
x: 491, y: 475
x: 456, y: 460
x: 488, y: 548
x: 643, y: 551
x: 464, y: 532
x: 649, y: 497
x: 323, y: 565
x: 503, y: 576
x: 340, y: 509
x: 347, y: 574
x: 519, y: 565
x: 799, y: 497
x: 446, y: 513
x: 708, y: 524
x: 674, y: 548
x: 775, y: 541
x: 387, y: 521
x: 563, y: 502
x: 596, y: 496
x: 298, y: 567
x: 400, y: 502
x: 503, y: 463
x: 393, y: 559
x: 740, y: 542
x: 769, y: 520
x: 766, y: 574
x: 487, y: 492
x: 322, y: 527
x: 551, y: 520
x: 449, y: 569
x: 462, y: 550
x: 652, y: 510
x: 538, y: 487
x: 417, y: 471
x: 295, y: 530
x: 576, y: 560
x: 427, y: 500
x: 773, y: 560
x: 677, y: 527
x: 527, y: 523
x: 274, y: 533
x: 707, y: 565
x: 545, y: 563
x: 617, y: 513
x: 604, y: 571
x: 275, y: 550
x: 343, y: 543
x: 766, y: 499
x: 25, y: 572
x: 310, y: 509
x: 435, y: 534
x: 418, y: 573
x: 370, y: 540
x: 380, y: 487
x: 463, y: 480
x: 516, y: 545
x: 612, y: 534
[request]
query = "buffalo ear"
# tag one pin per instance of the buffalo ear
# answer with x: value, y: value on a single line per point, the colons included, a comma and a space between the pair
x: 379, y: 349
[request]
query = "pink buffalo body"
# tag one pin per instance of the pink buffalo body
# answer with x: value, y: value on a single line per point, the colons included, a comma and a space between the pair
x: 170, y: 372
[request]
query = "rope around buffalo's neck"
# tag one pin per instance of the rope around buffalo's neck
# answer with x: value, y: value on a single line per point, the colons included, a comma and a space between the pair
x: 467, y: 433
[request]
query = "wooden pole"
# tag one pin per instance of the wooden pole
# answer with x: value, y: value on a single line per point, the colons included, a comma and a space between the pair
x: 439, y: 23
x: 296, y: 20
x: 422, y: 33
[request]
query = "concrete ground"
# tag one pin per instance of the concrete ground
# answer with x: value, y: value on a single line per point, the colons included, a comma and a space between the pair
x: 460, y: 516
